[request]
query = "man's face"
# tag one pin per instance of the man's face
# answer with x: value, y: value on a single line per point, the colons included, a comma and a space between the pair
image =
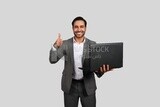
x: 79, y: 28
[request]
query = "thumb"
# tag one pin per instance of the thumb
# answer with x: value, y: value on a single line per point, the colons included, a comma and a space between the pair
x: 59, y: 36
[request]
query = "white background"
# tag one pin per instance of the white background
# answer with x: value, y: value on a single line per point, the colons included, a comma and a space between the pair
x: 29, y: 27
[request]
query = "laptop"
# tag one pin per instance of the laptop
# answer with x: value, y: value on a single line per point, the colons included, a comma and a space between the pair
x: 104, y: 53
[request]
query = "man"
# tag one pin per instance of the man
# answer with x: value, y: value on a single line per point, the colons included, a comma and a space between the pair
x: 74, y: 83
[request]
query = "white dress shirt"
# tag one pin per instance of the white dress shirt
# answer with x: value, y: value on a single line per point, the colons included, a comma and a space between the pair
x: 78, y: 53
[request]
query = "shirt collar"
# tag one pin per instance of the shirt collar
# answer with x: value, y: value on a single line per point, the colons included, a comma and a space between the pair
x: 74, y: 41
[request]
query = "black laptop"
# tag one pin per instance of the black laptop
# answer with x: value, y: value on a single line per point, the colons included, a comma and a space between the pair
x: 104, y: 53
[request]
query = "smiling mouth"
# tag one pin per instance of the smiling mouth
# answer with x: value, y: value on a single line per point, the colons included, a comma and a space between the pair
x: 78, y: 33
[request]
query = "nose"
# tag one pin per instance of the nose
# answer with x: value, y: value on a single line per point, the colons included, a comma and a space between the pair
x: 79, y: 29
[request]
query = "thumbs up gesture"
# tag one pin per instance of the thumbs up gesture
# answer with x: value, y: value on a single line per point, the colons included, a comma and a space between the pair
x: 59, y: 41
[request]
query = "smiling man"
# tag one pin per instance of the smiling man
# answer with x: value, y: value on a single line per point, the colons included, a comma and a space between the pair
x: 75, y: 84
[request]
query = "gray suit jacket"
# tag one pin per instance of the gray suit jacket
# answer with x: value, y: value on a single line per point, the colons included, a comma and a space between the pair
x: 66, y: 50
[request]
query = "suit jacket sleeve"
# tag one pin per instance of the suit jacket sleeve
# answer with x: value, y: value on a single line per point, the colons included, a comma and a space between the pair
x: 99, y: 74
x: 56, y: 55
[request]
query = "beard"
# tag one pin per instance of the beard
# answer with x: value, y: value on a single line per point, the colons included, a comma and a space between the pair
x: 79, y: 34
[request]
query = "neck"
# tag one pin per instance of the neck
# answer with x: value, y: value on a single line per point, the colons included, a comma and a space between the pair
x: 79, y: 40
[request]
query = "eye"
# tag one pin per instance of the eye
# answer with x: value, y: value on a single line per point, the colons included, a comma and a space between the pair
x: 82, y: 26
x: 75, y: 26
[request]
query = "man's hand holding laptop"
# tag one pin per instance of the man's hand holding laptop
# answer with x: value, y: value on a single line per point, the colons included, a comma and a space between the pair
x: 104, y: 68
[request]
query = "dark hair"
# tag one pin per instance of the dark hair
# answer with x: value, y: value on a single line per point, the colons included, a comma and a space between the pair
x: 79, y: 18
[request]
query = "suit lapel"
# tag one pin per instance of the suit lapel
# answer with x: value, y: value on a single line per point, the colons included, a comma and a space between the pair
x: 70, y: 49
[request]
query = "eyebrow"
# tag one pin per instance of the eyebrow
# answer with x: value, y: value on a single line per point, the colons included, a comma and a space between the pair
x: 80, y: 25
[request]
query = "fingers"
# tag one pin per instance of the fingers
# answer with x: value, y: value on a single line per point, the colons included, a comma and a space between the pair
x: 59, y: 41
x: 101, y: 69
x: 105, y: 68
